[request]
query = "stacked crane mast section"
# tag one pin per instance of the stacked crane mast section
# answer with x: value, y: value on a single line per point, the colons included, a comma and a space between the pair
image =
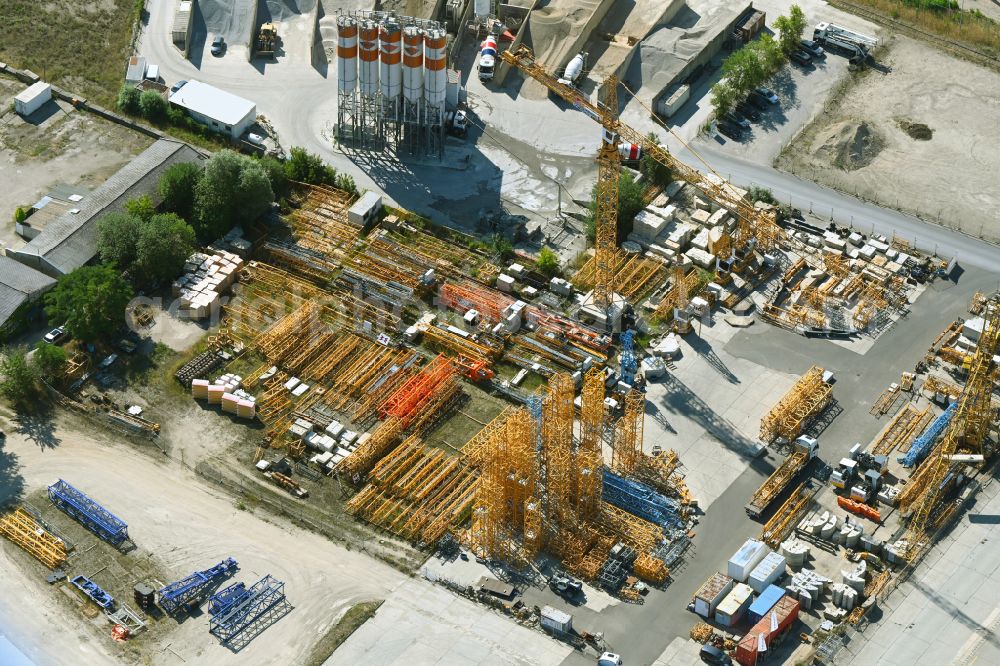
x: 392, y: 80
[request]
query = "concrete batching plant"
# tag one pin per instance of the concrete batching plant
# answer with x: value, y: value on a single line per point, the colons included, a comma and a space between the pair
x: 392, y: 82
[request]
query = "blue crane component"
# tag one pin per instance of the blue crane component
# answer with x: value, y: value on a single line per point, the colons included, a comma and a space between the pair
x: 641, y: 500
x: 89, y: 513
x: 629, y: 365
x: 922, y: 445
x: 94, y: 591
x: 240, y: 613
x: 193, y: 588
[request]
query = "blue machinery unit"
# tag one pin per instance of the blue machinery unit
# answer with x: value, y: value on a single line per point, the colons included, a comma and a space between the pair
x: 239, y: 613
x: 89, y: 513
x: 94, y: 592
x: 629, y: 365
x: 641, y: 500
x: 194, y: 587
x: 922, y: 445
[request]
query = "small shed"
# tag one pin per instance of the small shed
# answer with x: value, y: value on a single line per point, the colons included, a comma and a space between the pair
x: 365, y: 210
x: 765, y: 602
x: 749, y: 25
x: 136, y: 71
x: 32, y: 98
x: 731, y: 609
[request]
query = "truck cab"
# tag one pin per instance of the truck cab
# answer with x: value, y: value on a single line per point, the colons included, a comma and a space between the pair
x: 808, y: 444
x: 487, y: 58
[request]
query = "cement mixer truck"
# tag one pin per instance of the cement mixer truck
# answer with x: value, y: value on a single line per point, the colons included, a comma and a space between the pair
x: 573, y: 71
x: 487, y: 58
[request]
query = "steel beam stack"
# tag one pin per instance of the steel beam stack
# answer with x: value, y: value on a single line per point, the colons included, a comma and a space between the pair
x: 89, y: 513
x: 239, y: 614
x: 194, y: 587
x: 642, y: 501
x: 922, y: 445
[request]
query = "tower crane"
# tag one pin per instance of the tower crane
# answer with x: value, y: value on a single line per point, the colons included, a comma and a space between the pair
x: 753, y: 224
x: 965, y: 434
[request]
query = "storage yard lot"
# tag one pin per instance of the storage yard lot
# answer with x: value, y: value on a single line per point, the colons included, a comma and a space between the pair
x: 735, y: 423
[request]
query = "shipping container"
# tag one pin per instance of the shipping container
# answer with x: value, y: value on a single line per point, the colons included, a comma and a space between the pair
x: 734, y: 606
x: 711, y: 593
x: 746, y: 558
x: 556, y: 620
x: 764, y: 602
x: 770, y: 570
x: 32, y: 98
x: 772, y: 626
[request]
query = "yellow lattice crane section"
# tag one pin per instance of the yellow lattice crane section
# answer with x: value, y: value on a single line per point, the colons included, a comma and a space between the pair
x: 626, y: 450
x: 754, y: 224
x: 606, y: 225
x: 589, y: 465
x: 20, y: 527
x: 807, y: 397
x: 965, y: 433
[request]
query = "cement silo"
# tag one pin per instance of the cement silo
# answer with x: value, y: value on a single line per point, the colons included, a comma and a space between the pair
x: 347, y: 74
x: 435, y: 84
x: 391, y: 70
x: 413, y: 81
x: 368, y: 84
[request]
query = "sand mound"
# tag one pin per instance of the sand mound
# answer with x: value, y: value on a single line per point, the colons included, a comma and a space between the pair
x: 848, y: 145
x: 916, y: 131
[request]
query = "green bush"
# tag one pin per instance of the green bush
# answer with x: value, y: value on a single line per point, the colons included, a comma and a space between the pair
x: 233, y: 189
x: 128, y: 99
x: 49, y: 359
x: 177, y: 188
x: 20, y: 215
x: 19, y: 378
x: 548, y: 262
x: 153, y: 106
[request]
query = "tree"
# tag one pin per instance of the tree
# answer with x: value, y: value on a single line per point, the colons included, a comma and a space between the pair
x: 547, y: 262
x: 18, y: 378
x: 91, y: 300
x: 49, y: 359
x: 630, y: 202
x: 306, y: 167
x: 724, y: 98
x: 232, y: 189
x: 652, y: 169
x: 128, y: 99
x: 141, y: 208
x: 177, y: 188
x: 163, y: 245
x: 745, y: 69
x: 790, y: 28
x: 116, y: 238
x: 345, y: 181
x: 503, y: 247
x: 275, y: 171
x: 758, y: 193
x: 20, y: 215
x: 152, y: 105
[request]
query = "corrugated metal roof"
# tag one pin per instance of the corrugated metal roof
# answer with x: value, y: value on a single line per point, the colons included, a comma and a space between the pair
x: 71, y: 241
x: 18, y: 283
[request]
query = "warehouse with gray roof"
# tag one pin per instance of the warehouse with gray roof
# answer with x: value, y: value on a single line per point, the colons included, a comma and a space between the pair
x: 70, y: 241
x: 20, y: 289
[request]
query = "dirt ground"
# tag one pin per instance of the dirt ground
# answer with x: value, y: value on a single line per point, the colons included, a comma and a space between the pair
x: 919, y: 136
x: 57, y: 145
x: 183, y: 525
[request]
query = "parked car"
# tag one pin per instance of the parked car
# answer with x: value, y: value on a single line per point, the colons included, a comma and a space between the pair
x: 800, y: 57
x: 56, y: 335
x: 713, y: 655
x: 813, y: 48
x: 738, y: 120
x: 748, y: 110
x: 727, y: 128
x: 218, y: 45
x: 767, y: 94
x: 177, y: 86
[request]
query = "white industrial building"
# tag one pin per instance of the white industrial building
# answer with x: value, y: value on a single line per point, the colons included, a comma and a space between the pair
x: 224, y: 112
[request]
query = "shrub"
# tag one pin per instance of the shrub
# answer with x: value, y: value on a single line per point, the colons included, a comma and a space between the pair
x: 128, y: 99
x: 153, y: 106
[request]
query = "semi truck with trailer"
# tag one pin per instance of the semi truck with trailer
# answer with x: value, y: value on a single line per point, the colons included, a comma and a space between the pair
x: 804, y: 450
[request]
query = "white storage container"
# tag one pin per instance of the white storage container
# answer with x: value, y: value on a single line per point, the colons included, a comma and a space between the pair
x: 556, y: 620
x: 711, y: 593
x: 746, y: 559
x: 769, y: 571
x: 32, y: 98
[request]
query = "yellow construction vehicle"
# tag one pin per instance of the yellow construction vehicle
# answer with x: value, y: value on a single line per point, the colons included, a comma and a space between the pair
x: 267, y: 40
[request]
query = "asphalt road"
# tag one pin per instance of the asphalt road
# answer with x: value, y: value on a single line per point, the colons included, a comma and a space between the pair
x: 845, y: 209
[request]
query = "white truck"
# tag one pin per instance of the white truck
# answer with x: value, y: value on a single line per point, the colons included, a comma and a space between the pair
x: 487, y: 58
x: 855, y: 44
